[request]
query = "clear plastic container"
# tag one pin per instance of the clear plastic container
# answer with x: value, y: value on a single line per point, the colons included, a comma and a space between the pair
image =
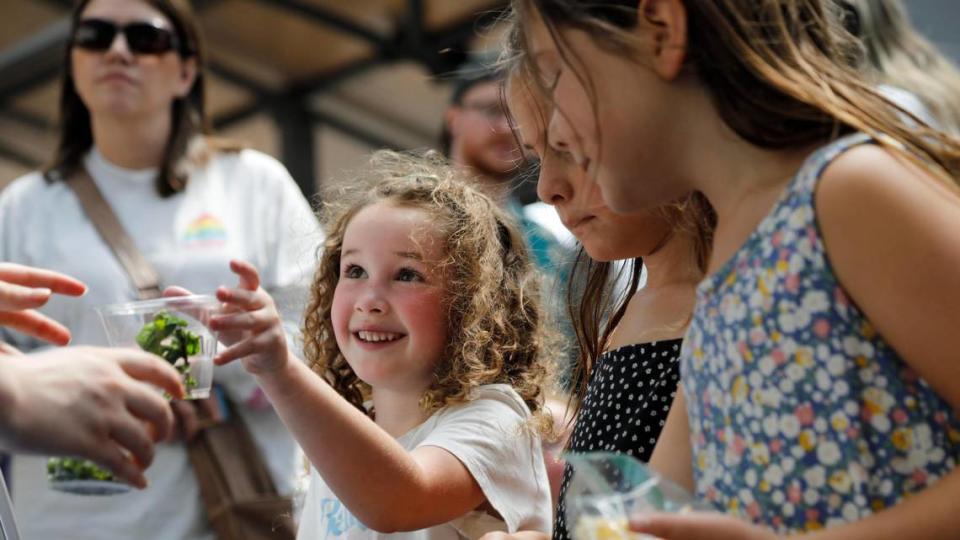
x: 607, y: 489
x: 175, y: 329
x: 147, y: 325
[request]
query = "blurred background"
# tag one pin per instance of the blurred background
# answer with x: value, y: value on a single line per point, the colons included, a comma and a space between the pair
x: 316, y: 83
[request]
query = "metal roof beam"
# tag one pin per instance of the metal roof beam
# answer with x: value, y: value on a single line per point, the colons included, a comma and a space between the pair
x: 329, y: 18
x: 26, y: 118
x: 324, y: 80
x: 354, y: 132
x: 198, y: 5
x: 33, y: 61
x: 7, y: 152
x: 234, y: 77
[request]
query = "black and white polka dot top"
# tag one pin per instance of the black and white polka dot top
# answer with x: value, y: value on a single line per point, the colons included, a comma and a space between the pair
x: 630, y: 392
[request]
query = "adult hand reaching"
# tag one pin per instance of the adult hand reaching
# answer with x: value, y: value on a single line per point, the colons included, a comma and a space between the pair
x: 23, y: 289
x: 88, y: 402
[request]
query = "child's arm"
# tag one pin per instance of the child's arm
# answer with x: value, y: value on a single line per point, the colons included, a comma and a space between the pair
x: 891, y: 235
x: 383, y: 485
x: 672, y: 455
x: 930, y: 515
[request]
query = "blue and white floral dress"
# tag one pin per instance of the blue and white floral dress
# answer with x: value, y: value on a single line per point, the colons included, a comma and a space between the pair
x: 801, y: 415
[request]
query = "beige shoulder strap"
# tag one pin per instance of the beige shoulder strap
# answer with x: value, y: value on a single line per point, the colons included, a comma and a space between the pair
x: 98, y: 210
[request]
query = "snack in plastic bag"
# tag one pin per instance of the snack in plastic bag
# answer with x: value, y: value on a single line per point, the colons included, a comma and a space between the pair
x: 606, y: 489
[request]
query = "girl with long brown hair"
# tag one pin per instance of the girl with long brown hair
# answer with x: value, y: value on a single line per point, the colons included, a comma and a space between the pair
x: 817, y: 390
x: 635, y: 275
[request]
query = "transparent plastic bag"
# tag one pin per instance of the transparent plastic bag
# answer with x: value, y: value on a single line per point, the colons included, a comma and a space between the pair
x: 607, y: 489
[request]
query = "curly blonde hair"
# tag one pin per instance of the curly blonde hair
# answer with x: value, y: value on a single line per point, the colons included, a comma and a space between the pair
x: 496, y: 324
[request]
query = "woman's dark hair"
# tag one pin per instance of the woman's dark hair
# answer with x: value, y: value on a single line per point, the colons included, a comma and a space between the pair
x: 188, y: 113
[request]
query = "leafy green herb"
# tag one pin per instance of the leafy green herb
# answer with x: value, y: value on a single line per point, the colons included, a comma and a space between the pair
x: 65, y: 468
x: 167, y: 337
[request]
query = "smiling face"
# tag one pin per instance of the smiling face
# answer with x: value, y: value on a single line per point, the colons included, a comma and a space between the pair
x: 120, y: 83
x: 605, y: 235
x: 388, y: 313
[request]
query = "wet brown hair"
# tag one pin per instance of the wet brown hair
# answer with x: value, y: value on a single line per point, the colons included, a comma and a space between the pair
x: 188, y: 113
x: 496, y: 327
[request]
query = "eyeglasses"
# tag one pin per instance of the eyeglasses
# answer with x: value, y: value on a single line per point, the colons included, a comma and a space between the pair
x: 490, y: 110
x: 142, y: 37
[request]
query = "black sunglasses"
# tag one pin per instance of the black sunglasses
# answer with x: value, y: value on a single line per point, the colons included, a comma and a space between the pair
x: 142, y: 37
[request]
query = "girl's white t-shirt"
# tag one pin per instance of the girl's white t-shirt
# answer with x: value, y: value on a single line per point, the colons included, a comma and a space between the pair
x: 239, y: 205
x: 493, y: 439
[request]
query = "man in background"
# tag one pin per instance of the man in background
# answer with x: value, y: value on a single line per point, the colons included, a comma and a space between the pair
x: 477, y: 135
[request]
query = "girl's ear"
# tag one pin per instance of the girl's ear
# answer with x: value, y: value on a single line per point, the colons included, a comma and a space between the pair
x: 665, y: 24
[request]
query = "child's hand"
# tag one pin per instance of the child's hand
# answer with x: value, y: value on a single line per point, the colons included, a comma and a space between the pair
x: 250, y: 325
x: 697, y: 526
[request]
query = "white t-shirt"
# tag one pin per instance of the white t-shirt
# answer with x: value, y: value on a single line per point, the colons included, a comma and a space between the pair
x: 909, y: 102
x: 491, y: 437
x: 240, y: 205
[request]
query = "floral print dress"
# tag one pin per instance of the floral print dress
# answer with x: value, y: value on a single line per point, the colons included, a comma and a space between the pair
x: 801, y: 415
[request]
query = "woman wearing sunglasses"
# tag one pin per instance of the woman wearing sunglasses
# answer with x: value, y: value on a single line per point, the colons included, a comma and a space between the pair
x: 133, y: 119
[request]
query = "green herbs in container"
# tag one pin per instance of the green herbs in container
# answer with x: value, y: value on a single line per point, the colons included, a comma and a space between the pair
x: 172, y: 328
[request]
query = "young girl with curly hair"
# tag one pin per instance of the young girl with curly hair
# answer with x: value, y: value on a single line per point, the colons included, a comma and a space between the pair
x: 425, y: 329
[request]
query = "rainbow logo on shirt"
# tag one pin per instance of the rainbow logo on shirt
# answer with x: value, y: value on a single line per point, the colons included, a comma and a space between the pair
x: 207, y: 231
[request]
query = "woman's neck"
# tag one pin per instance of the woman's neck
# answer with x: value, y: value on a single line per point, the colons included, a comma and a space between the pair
x: 132, y: 144
x: 397, y: 412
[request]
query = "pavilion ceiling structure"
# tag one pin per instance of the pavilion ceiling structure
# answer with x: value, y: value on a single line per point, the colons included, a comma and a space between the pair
x: 370, y: 70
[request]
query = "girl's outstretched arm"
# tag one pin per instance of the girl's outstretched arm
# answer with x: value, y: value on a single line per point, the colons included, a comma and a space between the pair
x: 386, y: 487
x: 890, y: 231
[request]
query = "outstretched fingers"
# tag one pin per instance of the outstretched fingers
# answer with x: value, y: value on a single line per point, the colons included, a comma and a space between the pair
x: 16, y: 297
x: 247, y: 347
x: 28, y: 276
x: 249, y: 277
x: 37, y: 325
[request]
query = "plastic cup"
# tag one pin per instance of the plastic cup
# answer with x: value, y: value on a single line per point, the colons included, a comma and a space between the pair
x: 175, y: 328
x: 607, y: 489
x: 125, y: 324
